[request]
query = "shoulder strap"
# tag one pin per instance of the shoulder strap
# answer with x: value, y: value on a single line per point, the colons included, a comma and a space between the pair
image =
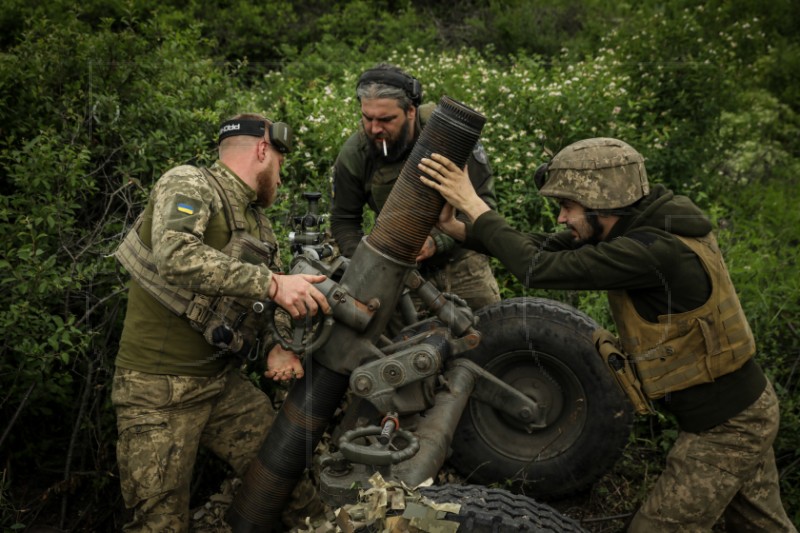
x: 424, y: 113
x: 137, y: 259
x: 233, y: 213
x: 642, y: 237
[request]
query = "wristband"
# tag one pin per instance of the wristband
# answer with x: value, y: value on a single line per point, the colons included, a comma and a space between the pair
x: 275, y: 292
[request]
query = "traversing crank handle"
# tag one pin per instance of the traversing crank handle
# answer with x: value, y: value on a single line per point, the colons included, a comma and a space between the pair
x: 302, y: 328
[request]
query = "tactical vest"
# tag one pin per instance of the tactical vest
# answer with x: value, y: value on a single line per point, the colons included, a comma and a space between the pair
x: 686, y: 349
x: 207, y: 313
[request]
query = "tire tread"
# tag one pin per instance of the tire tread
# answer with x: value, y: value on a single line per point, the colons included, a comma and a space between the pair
x: 485, y: 509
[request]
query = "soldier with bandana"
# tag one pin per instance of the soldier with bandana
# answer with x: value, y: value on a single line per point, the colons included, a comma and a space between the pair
x: 368, y: 165
x: 684, y: 342
x: 203, y: 259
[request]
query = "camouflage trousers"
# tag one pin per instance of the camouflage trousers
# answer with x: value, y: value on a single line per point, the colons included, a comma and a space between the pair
x: 470, y: 278
x: 727, y: 471
x: 162, y: 420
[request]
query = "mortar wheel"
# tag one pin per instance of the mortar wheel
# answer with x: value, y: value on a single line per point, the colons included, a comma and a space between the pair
x: 544, y: 349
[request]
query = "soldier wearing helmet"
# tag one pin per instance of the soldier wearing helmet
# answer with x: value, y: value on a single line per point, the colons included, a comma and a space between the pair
x: 684, y: 343
x: 597, y: 173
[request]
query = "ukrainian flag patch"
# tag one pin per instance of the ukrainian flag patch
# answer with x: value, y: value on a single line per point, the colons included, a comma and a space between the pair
x: 186, y: 209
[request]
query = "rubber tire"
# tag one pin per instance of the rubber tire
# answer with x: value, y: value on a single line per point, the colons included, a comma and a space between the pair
x: 545, y: 349
x: 497, y: 510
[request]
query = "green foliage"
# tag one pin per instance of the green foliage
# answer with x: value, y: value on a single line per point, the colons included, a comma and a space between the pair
x: 254, y: 30
x: 98, y: 99
x: 678, y: 81
x: 782, y: 72
x: 760, y: 238
x: 511, y: 26
x: 97, y: 116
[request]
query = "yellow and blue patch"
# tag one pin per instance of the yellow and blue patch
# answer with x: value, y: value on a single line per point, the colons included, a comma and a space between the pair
x: 186, y: 209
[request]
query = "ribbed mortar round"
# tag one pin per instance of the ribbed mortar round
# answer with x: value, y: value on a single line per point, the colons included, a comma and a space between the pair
x: 412, y: 208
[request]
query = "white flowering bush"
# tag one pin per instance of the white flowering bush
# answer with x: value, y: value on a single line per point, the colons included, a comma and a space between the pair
x: 533, y: 109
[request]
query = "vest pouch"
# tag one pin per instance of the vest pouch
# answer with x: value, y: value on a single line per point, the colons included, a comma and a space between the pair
x: 381, y: 183
x: 683, y: 350
x: 234, y: 320
x: 222, y: 336
x: 233, y: 325
x: 692, y: 357
x: 254, y: 251
x: 620, y: 367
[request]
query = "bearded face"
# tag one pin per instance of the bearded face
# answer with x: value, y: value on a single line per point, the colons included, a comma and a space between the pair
x: 584, y: 225
x: 267, y: 182
x: 589, y: 230
x: 389, y: 128
x: 396, y: 144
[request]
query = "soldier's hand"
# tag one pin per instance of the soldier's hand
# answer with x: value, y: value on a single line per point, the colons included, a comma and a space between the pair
x: 449, y: 224
x: 452, y: 183
x: 297, y: 294
x: 428, y: 249
x: 283, y: 365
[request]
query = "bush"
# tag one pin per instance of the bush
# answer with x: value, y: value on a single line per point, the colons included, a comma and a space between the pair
x: 97, y: 117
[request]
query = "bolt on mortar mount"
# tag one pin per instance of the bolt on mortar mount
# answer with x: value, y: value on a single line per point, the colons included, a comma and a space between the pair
x: 512, y: 394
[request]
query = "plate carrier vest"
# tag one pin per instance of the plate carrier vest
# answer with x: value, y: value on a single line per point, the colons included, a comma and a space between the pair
x: 207, y: 313
x: 686, y: 349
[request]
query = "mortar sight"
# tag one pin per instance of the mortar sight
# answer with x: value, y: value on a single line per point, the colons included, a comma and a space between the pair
x: 308, y: 232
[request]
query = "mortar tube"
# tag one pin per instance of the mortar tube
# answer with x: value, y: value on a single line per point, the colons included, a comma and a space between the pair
x: 413, y: 208
x: 286, y: 452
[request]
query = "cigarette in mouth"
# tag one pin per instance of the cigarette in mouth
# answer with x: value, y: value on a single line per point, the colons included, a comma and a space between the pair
x: 385, y: 153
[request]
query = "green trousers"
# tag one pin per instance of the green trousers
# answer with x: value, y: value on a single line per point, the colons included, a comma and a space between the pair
x: 471, y: 278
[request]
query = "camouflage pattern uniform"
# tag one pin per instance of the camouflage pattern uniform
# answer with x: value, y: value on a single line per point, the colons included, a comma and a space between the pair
x: 730, y: 468
x: 360, y: 179
x: 722, y: 463
x: 186, y: 229
x: 172, y: 390
x: 163, y: 419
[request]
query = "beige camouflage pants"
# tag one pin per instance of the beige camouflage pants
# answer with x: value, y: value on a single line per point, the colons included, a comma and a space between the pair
x: 728, y: 470
x: 162, y: 420
x: 470, y: 278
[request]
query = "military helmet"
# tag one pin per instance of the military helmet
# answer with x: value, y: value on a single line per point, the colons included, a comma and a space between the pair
x: 599, y: 173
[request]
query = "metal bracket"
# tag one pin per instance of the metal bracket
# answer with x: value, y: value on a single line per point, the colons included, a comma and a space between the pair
x: 492, y: 391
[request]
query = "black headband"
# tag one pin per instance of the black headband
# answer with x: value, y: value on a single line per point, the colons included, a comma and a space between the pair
x: 409, y: 84
x: 280, y: 134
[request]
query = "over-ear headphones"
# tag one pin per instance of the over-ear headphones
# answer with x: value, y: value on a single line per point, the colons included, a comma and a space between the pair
x: 280, y: 133
x: 409, y: 84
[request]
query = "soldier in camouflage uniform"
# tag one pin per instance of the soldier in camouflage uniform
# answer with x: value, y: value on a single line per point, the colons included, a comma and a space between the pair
x: 199, y: 257
x: 684, y: 342
x: 369, y: 164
